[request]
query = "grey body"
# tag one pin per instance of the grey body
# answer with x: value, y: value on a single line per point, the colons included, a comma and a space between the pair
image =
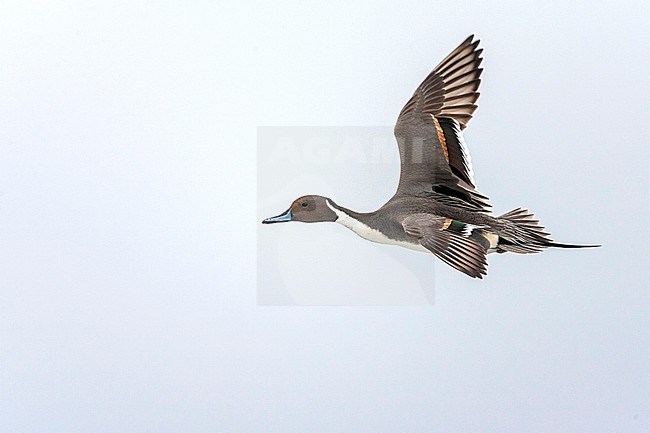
x: 437, y: 207
x: 389, y: 219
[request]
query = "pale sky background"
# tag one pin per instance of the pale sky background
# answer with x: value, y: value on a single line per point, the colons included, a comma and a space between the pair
x: 129, y: 220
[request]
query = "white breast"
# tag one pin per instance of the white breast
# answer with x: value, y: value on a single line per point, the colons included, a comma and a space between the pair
x: 369, y: 233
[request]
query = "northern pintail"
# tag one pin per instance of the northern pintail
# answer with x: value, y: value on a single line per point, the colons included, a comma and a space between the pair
x: 437, y: 208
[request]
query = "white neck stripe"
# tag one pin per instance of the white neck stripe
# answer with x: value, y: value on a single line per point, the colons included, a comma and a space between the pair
x: 368, y: 232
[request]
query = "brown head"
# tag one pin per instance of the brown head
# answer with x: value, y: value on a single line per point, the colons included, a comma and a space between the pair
x: 307, y: 209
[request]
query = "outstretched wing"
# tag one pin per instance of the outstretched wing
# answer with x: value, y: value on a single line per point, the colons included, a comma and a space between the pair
x: 451, y: 89
x: 429, y: 127
x: 437, y: 234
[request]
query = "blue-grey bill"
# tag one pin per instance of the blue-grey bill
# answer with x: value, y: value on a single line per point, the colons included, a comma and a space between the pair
x: 283, y: 218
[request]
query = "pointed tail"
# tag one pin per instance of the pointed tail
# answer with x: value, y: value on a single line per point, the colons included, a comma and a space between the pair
x: 520, y: 233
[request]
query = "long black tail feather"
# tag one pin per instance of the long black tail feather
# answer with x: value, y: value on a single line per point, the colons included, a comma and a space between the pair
x: 521, y: 233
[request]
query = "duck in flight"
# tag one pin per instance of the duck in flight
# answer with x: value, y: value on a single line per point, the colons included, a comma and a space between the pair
x: 437, y: 207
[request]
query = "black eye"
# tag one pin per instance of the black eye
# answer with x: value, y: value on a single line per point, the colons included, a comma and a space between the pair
x: 304, y: 204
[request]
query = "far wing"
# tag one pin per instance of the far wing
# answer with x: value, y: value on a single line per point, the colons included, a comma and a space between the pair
x: 430, y: 126
x: 451, y: 89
